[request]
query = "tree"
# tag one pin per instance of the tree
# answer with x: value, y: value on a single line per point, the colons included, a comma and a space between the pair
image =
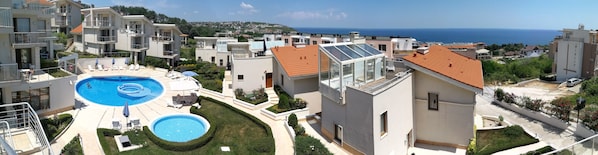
x: 62, y: 38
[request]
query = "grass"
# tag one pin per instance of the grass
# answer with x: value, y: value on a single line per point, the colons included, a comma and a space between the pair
x: 491, y: 141
x: 73, y: 147
x: 236, y: 131
x: 540, y: 151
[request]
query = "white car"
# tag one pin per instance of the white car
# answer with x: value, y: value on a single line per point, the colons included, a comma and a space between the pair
x: 573, y: 81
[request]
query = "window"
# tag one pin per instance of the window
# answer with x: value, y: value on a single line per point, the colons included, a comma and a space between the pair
x: 240, y: 77
x: 199, y: 59
x: 221, y: 62
x: 213, y: 59
x: 314, y: 42
x: 286, y: 41
x: 382, y: 47
x: 39, y: 99
x: 383, y: 123
x: 21, y: 25
x: 281, y: 79
x: 433, y: 101
x: 338, y: 133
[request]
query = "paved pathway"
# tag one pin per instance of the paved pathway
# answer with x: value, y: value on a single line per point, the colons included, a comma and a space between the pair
x: 548, y: 134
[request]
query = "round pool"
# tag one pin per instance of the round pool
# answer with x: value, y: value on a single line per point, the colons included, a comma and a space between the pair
x: 116, y: 90
x: 180, y: 127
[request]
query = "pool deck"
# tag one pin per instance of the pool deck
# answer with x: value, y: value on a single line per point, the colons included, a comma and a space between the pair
x: 90, y: 116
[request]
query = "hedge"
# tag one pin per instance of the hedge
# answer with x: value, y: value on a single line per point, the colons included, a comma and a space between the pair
x: 102, y: 132
x: 303, y: 146
x: 181, y: 146
x: 251, y: 117
x: 53, y: 127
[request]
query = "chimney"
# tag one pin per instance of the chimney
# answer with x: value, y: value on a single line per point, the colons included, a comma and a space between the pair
x: 581, y: 27
x: 354, y: 38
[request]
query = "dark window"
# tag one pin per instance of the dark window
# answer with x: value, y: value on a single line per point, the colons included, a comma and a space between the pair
x: 383, y: 123
x: 240, y: 77
x: 39, y: 99
x: 338, y: 133
x: 314, y: 42
x: 286, y: 41
x: 382, y: 47
x: 221, y: 62
x: 281, y: 79
x: 432, y: 101
x: 213, y: 59
x: 199, y: 59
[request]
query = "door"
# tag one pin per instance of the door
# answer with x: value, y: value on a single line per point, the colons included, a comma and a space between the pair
x: 268, y: 80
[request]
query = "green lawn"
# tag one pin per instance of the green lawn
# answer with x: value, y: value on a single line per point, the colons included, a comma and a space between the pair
x: 491, y: 141
x: 237, y: 131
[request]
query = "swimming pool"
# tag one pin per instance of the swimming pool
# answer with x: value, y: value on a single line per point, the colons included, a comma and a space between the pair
x: 180, y: 127
x: 116, y: 90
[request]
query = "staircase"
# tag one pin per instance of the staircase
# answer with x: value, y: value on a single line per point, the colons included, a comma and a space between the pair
x: 272, y: 95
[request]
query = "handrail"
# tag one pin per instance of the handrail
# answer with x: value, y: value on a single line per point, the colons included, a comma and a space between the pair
x: 9, y: 133
x: 571, y: 145
x: 9, y: 150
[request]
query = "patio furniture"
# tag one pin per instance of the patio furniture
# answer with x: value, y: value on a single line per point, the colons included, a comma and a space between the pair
x: 116, y: 124
x: 132, y: 67
x: 135, y: 123
x: 90, y: 68
x: 124, y: 140
x: 174, y: 105
x: 136, y: 67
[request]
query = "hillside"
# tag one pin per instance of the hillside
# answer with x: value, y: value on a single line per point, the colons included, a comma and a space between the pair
x: 233, y: 29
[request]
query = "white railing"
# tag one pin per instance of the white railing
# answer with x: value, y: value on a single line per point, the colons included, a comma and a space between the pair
x: 106, y: 38
x: 60, y: 22
x: 22, y: 117
x: 33, y: 6
x: 27, y: 37
x: 5, y: 17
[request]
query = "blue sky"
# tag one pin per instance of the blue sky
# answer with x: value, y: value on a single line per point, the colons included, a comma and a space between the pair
x: 510, y: 14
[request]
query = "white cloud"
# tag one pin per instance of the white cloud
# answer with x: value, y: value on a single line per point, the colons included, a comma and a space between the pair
x: 195, y: 12
x: 307, y: 15
x: 246, y: 9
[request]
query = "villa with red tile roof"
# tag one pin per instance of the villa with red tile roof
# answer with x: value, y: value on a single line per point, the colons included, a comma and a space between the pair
x: 296, y: 72
x: 369, y: 110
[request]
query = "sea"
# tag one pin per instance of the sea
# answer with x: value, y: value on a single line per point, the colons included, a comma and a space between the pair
x: 488, y: 36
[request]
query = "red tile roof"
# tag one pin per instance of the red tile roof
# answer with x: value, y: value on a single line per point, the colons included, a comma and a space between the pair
x: 301, y: 61
x: 42, y: 2
x: 441, y: 60
x: 78, y: 29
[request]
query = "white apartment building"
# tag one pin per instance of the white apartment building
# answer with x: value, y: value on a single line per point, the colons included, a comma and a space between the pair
x: 575, y: 54
x: 214, y: 50
x: 251, y: 64
x: 104, y: 31
x: 67, y: 15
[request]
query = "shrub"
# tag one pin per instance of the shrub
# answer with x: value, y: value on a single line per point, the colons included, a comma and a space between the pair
x: 156, y: 62
x: 471, y: 149
x: 239, y: 92
x: 283, y: 103
x: 181, y: 146
x: 513, y: 131
x: 292, y: 120
x: 535, y: 105
x: 309, y: 145
x: 509, y: 98
x: 540, y: 151
x: 73, y: 147
x: 299, y: 130
x: 561, y: 107
x: 499, y: 94
x: 53, y: 127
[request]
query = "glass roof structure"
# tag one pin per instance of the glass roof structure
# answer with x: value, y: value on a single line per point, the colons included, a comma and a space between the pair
x: 348, y: 64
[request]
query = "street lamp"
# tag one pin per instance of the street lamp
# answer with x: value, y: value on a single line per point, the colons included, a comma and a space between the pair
x: 581, y: 103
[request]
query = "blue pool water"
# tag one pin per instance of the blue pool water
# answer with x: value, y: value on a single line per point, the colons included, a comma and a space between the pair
x: 103, y: 90
x: 180, y: 127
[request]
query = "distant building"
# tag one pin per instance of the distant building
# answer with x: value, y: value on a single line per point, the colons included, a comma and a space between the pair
x: 67, y: 15
x: 575, y: 54
x: 214, y: 50
x: 465, y: 49
x: 532, y: 51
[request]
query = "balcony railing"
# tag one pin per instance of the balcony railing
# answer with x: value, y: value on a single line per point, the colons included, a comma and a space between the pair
x: 98, y: 23
x: 585, y: 146
x: 162, y: 38
x: 27, y: 37
x: 9, y: 72
x: 139, y: 46
x: 33, y: 6
x: 168, y: 52
x: 60, y: 22
x: 106, y: 38
x: 5, y: 17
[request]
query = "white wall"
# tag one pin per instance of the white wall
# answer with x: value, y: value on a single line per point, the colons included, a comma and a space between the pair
x: 569, y: 57
x: 252, y: 70
x: 6, y: 54
x: 62, y: 93
x: 446, y: 92
x: 397, y: 101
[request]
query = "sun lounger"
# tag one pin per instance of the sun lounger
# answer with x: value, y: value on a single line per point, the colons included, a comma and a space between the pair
x: 100, y: 68
x: 121, y: 68
x: 136, y: 67
x: 174, y: 105
x: 132, y: 67
x: 114, y: 68
x: 90, y: 68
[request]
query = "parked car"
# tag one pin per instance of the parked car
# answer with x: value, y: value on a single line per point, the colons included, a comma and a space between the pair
x: 573, y: 81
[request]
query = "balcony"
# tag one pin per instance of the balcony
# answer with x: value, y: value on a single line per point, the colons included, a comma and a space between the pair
x: 106, y: 38
x: 9, y: 73
x: 28, y: 39
x: 60, y: 22
x: 98, y: 23
x: 32, y: 8
x: 162, y: 38
x: 140, y: 46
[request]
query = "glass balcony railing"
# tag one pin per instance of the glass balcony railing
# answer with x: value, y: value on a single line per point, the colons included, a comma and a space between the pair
x: 33, y: 6
x: 5, y: 17
x: 585, y: 146
x: 106, y: 38
x: 27, y: 37
x: 139, y: 46
x: 98, y: 23
x: 9, y: 72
